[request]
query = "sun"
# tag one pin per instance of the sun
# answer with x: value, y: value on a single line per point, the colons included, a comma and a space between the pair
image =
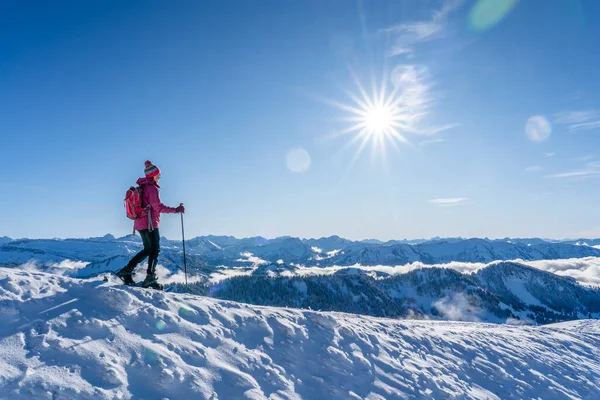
x: 379, y: 117
x: 385, y: 111
x: 379, y: 120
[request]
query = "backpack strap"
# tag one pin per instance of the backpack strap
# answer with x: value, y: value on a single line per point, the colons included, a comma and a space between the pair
x: 141, y: 191
x: 147, y: 208
x: 142, y: 195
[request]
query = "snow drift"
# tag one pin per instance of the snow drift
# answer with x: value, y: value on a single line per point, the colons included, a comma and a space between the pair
x: 66, y: 338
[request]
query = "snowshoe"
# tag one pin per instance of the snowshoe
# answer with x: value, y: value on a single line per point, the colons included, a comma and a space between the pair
x: 125, y: 277
x: 151, y: 283
x: 155, y: 286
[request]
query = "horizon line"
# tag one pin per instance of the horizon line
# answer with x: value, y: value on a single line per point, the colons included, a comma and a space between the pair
x: 547, y: 239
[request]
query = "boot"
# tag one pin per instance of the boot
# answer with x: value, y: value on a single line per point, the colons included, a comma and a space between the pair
x: 151, y: 282
x: 125, y: 276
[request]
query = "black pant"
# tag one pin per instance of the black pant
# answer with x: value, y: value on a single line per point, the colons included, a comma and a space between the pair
x: 151, y: 249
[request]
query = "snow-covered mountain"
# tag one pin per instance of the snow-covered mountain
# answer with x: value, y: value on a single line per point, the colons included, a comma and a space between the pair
x: 331, y: 243
x: 211, y: 251
x: 501, y: 292
x: 68, y: 338
x: 542, y: 296
x: 468, y: 250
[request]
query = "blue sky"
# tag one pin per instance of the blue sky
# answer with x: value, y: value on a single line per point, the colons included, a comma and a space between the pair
x: 242, y: 106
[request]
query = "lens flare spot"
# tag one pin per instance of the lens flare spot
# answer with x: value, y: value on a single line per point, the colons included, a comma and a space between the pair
x: 184, y: 312
x: 150, y: 356
x: 485, y: 14
x: 298, y: 160
x: 160, y: 325
x: 538, y: 128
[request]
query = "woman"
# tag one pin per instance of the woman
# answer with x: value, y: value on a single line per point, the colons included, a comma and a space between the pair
x: 147, y: 225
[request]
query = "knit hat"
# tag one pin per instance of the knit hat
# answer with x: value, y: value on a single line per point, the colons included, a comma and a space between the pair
x: 150, y: 169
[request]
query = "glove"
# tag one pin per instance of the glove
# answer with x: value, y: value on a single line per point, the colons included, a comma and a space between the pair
x: 180, y: 209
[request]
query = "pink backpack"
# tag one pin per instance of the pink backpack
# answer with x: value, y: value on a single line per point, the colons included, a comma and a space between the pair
x: 133, y: 203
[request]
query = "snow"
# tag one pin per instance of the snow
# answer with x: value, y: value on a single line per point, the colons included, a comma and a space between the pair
x: 251, y: 258
x: 216, y: 245
x: 333, y: 253
x: 68, y: 338
x: 517, y: 287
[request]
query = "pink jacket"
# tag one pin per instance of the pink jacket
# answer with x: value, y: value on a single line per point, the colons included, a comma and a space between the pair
x: 151, y: 197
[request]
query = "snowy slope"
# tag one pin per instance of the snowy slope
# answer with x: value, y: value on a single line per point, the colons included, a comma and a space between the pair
x: 78, y: 339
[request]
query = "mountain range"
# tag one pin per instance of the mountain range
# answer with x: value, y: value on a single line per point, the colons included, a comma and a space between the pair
x: 272, y: 273
x: 501, y: 292
x: 207, y: 252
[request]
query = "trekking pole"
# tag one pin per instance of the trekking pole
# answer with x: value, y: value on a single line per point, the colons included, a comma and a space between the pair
x: 183, y: 239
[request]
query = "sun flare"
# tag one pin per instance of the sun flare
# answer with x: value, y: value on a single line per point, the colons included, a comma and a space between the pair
x: 382, y: 116
x: 379, y: 120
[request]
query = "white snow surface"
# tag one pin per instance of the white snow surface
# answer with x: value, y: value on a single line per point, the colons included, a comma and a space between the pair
x: 66, y: 338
